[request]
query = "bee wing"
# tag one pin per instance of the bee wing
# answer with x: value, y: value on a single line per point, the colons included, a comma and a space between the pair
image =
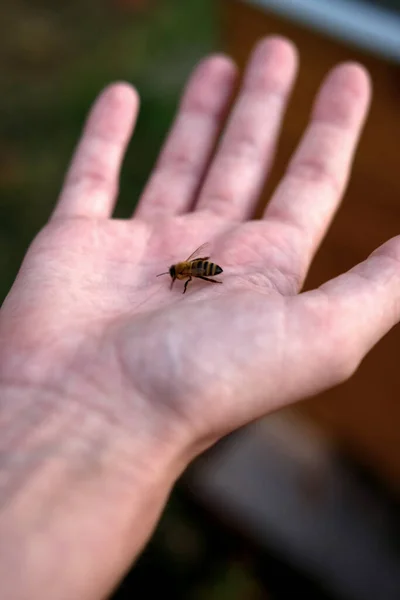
x: 197, y: 252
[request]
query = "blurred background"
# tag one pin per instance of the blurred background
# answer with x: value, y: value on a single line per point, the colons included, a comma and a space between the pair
x: 306, y: 500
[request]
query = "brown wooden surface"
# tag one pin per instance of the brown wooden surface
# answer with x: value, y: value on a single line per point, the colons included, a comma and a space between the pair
x: 363, y: 413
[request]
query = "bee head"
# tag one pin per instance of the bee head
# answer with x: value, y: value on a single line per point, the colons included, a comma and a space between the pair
x: 172, y: 272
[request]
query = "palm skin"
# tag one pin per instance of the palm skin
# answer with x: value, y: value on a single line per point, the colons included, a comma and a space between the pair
x: 195, y: 353
x: 88, y: 317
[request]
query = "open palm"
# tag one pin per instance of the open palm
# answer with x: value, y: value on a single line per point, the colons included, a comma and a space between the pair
x: 88, y: 317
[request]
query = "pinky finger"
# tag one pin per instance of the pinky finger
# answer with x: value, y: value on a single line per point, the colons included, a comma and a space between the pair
x: 91, y: 184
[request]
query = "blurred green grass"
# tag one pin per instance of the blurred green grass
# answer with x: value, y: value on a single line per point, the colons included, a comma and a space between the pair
x: 55, y: 60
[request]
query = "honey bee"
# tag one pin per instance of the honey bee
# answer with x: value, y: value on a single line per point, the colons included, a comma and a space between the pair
x: 194, y: 266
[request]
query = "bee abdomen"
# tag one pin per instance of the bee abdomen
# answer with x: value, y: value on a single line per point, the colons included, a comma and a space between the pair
x: 211, y: 268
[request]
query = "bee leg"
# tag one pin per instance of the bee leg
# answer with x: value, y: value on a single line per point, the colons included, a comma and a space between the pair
x: 209, y: 279
x: 185, y: 286
x: 172, y: 283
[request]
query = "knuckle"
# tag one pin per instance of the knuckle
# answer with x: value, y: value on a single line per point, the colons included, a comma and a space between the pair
x: 315, y: 171
x: 244, y: 148
x: 334, y: 349
x: 178, y: 162
x: 89, y: 180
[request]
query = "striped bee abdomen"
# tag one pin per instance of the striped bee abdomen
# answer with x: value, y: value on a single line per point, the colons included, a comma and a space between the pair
x: 204, y: 268
x: 210, y: 268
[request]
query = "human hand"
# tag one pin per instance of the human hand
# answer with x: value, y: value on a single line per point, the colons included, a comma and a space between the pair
x: 88, y: 321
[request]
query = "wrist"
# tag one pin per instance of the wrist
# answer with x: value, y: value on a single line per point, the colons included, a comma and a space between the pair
x: 81, y: 490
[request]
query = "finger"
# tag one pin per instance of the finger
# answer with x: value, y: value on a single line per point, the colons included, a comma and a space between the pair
x: 358, y: 308
x: 91, y: 184
x: 247, y: 148
x: 309, y: 194
x: 183, y: 160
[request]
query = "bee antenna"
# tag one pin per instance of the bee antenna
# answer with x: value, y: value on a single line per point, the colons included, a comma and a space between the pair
x: 166, y: 273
